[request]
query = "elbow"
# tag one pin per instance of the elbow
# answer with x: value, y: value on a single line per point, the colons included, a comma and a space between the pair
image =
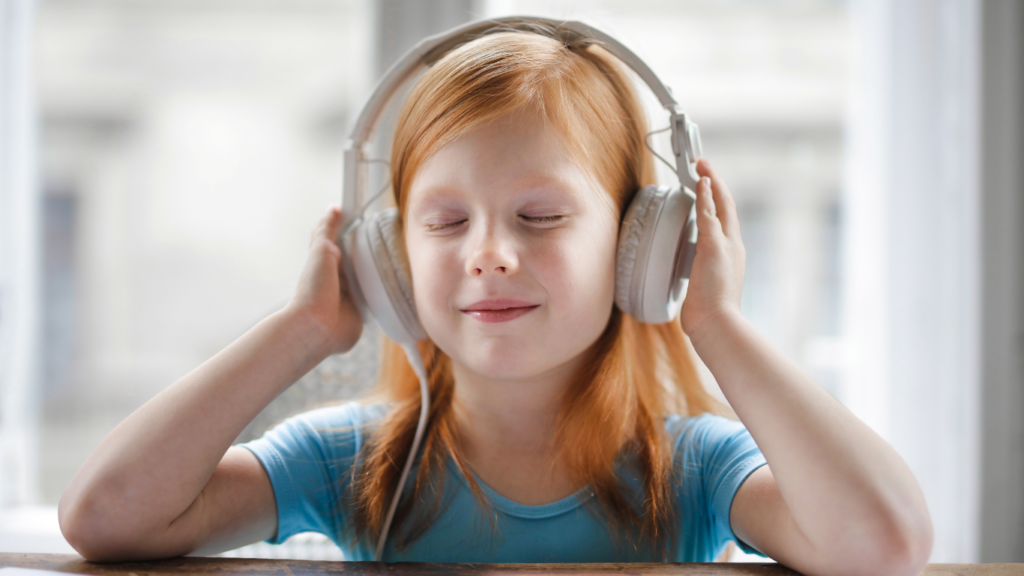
x: 92, y: 532
x: 905, y: 557
x: 890, y: 542
x: 81, y: 529
x: 916, y: 550
x: 99, y: 528
x: 914, y: 540
x: 904, y: 548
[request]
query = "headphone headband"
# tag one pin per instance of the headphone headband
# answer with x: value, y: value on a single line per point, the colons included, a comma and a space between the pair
x: 685, y: 134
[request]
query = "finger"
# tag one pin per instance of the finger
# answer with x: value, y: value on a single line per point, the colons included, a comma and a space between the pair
x: 707, y: 214
x: 332, y: 222
x: 725, y: 204
x: 327, y: 226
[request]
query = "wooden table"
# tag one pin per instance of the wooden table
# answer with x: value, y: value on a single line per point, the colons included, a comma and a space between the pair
x: 259, y: 567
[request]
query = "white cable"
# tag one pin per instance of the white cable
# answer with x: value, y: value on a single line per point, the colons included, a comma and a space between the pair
x: 416, y: 360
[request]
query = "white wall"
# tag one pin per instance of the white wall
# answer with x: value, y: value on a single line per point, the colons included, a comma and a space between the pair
x: 912, y: 254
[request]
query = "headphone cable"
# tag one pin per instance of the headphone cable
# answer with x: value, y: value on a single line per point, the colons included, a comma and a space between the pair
x: 416, y: 360
x: 648, y: 144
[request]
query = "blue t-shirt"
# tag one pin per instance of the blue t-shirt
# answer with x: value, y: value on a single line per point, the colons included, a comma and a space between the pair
x: 308, y: 459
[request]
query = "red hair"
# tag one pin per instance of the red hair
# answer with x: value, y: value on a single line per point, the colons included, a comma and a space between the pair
x: 636, y: 373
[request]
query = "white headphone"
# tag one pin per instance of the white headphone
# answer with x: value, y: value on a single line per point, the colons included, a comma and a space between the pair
x: 657, y: 237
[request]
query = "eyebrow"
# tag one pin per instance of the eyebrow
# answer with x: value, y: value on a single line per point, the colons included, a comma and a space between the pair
x: 432, y: 193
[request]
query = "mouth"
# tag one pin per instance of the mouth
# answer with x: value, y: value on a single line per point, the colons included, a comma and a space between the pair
x: 501, y: 310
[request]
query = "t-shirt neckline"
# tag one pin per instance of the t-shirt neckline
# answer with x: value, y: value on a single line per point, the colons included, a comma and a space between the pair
x: 513, y: 508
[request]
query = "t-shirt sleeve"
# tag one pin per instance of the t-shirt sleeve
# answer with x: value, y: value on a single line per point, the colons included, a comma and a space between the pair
x: 727, y: 456
x: 308, y: 458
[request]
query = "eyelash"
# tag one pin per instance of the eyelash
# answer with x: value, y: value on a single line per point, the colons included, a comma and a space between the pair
x: 440, y: 227
x: 544, y: 219
x: 535, y: 219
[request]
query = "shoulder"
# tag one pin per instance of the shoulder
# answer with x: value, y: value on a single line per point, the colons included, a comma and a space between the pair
x: 709, y: 440
x: 346, y: 414
x: 308, y: 458
x: 329, y: 432
x: 714, y: 456
x: 703, y: 430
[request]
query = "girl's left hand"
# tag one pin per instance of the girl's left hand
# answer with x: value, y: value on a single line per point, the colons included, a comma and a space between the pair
x: 716, y: 278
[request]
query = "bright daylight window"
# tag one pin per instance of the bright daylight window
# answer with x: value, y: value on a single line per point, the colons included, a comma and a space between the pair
x: 186, y: 149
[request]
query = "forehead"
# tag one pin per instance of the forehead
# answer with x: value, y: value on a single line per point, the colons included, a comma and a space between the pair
x: 514, y: 153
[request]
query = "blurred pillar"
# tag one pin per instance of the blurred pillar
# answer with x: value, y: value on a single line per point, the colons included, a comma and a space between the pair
x: 400, y: 25
x: 403, y: 23
x: 1002, y: 283
x: 19, y: 260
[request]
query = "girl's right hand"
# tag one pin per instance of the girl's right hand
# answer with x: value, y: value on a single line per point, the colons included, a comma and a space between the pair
x: 322, y: 296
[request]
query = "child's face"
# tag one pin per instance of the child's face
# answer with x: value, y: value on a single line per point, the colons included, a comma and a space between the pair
x: 503, y: 219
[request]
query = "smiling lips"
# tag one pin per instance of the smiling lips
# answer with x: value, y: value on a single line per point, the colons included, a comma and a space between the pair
x: 501, y: 310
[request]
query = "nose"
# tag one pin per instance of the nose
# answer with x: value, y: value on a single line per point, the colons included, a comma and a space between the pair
x: 492, y: 251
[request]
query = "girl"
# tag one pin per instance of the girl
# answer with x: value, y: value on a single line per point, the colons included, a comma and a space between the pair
x: 560, y: 430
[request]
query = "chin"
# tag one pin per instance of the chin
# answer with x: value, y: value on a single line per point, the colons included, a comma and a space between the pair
x: 504, y: 360
x: 502, y: 369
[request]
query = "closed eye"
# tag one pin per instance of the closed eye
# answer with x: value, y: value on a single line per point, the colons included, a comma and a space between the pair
x: 551, y: 219
x: 544, y: 219
x: 444, y: 226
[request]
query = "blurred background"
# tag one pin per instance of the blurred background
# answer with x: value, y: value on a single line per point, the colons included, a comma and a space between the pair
x: 162, y: 163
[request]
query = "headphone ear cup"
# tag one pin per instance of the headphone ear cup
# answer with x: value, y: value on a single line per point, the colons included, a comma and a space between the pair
x: 656, y: 247
x: 382, y: 270
x: 631, y: 233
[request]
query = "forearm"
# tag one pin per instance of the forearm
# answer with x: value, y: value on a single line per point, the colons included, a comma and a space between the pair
x: 841, y: 482
x: 152, y: 466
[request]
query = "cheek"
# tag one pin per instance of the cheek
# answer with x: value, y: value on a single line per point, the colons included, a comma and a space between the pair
x: 434, y: 272
x: 582, y: 276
